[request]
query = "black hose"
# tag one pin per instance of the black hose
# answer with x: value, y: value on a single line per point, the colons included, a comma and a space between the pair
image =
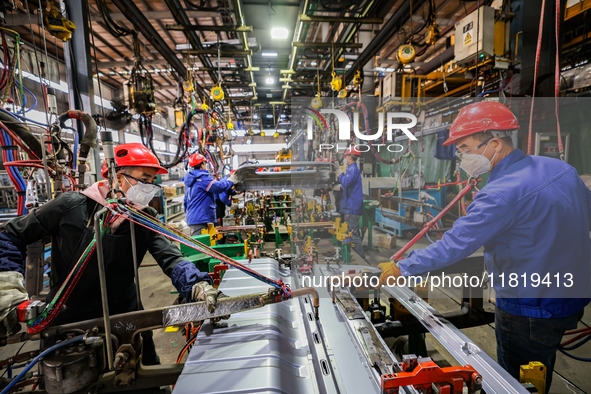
x: 88, y: 140
x: 23, y: 133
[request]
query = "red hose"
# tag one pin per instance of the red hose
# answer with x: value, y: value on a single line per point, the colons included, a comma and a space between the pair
x: 585, y: 332
x: 471, y: 183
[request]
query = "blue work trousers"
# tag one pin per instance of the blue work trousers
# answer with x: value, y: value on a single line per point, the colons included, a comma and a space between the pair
x: 353, y: 226
x: 521, y: 339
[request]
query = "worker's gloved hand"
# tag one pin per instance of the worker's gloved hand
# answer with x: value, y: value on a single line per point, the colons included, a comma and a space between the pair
x: 389, y: 269
x: 233, y: 178
x: 217, y: 319
x: 203, y: 291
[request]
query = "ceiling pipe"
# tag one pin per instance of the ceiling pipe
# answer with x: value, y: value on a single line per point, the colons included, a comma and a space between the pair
x: 208, y: 28
x: 141, y: 23
x: 240, y: 21
x: 386, y: 33
x: 296, y: 38
x: 437, y: 61
x: 349, y: 32
x: 339, y: 19
x: 181, y: 18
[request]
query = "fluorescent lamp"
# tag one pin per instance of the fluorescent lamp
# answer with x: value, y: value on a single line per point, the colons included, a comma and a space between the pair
x: 279, y: 33
x: 270, y: 80
x: 269, y: 54
x: 269, y: 116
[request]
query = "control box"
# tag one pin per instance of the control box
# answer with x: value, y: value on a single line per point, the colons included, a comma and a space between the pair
x: 392, y: 87
x: 475, y: 36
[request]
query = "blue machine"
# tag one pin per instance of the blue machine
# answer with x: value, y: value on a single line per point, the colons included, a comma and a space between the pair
x: 392, y: 221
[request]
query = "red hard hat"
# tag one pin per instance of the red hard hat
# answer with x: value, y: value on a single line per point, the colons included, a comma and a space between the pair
x: 134, y: 155
x: 480, y: 117
x: 195, y: 159
x: 353, y: 151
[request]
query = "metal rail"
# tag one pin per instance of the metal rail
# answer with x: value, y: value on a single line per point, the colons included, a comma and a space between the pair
x: 495, y: 378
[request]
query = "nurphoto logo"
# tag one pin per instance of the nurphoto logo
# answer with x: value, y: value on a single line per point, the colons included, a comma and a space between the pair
x: 344, y: 129
x: 344, y: 125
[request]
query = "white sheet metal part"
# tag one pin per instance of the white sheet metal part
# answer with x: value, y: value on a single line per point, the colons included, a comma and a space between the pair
x: 281, y: 348
x: 494, y: 378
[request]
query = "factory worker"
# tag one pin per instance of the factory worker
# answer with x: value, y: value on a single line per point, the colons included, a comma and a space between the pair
x: 201, y: 190
x: 351, y: 202
x: 533, y: 219
x: 69, y: 221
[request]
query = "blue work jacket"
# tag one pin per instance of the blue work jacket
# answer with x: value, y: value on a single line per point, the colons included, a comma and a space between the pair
x: 533, y: 218
x: 200, y: 193
x: 352, y: 191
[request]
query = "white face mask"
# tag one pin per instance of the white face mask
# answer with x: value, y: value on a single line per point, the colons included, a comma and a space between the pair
x: 476, y: 164
x: 140, y: 194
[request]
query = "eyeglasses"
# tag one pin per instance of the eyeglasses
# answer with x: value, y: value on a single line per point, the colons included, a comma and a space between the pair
x: 459, y: 153
x: 141, y: 182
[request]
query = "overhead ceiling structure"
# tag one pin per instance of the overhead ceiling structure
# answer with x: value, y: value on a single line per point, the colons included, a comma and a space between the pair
x: 262, y: 52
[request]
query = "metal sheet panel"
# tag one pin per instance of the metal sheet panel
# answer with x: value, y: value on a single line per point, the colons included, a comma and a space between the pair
x: 280, y: 348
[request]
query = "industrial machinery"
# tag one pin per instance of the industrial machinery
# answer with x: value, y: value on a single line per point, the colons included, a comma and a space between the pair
x: 299, y: 175
x: 283, y: 346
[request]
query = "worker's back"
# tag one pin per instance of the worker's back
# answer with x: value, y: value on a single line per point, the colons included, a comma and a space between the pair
x: 545, y: 240
x: 199, y: 200
x: 352, y: 191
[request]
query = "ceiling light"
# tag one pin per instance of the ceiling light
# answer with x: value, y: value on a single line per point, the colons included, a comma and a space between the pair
x: 279, y: 33
x: 270, y: 80
x: 269, y: 54
x: 269, y: 116
x: 313, y: 63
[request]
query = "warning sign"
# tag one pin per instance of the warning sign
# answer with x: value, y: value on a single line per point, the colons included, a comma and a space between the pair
x: 467, y: 38
x: 468, y: 31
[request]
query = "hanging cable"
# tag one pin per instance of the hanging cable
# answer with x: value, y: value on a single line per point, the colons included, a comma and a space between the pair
x: 37, y: 61
x: 536, y: 65
x: 557, y: 79
x: 116, y: 30
x: 98, y: 79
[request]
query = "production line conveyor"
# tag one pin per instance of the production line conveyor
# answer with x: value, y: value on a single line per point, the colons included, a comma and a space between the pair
x: 282, y: 348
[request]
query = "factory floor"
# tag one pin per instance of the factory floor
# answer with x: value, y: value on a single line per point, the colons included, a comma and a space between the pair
x: 570, y: 376
x: 157, y: 291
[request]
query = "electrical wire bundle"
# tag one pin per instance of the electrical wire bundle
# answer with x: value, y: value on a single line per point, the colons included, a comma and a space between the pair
x: 146, y: 130
x: 8, y: 69
x: 14, y: 90
x: 9, y: 156
x: 117, y: 210
x: 151, y: 223
x: 53, y: 308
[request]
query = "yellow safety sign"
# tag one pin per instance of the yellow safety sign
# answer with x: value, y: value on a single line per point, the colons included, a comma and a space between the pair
x: 467, y: 38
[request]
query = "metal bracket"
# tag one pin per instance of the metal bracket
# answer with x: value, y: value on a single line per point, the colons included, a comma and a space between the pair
x: 423, y: 374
